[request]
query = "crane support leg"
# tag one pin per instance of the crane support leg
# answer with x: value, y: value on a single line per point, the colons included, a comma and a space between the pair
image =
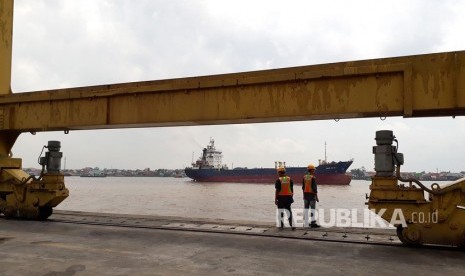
x: 6, y: 45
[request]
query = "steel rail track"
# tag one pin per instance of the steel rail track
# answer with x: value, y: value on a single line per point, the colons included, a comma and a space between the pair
x: 349, y: 235
x: 364, y: 236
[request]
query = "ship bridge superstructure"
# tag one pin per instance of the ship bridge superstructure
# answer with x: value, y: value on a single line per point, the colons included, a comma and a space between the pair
x: 211, y: 158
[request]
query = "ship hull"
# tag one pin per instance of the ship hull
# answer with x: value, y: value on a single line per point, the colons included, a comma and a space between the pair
x: 325, y: 175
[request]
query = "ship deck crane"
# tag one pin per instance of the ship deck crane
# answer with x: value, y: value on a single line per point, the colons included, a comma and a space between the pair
x: 411, y: 86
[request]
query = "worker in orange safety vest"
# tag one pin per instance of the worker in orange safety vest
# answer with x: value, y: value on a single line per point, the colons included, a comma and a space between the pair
x: 284, y: 197
x: 310, y: 191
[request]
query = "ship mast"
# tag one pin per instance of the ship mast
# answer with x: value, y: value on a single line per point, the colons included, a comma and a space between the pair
x: 325, y: 154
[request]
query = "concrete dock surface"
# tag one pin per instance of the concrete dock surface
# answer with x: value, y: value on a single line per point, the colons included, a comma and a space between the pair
x: 75, y: 243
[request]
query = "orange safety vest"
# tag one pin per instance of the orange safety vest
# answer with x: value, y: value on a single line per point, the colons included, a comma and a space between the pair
x: 308, y: 184
x: 285, y: 186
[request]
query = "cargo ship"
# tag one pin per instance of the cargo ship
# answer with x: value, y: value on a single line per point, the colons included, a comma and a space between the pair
x: 209, y: 168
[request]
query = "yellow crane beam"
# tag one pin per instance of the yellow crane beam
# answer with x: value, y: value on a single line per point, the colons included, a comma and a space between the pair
x: 412, y: 86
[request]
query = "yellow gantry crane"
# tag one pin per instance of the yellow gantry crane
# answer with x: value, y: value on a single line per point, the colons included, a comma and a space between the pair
x: 411, y: 86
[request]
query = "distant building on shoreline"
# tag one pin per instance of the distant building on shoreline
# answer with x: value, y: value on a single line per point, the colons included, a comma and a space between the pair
x: 89, y: 171
x: 362, y: 174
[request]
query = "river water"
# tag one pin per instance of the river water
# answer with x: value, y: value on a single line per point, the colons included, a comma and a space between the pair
x: 182, y: 197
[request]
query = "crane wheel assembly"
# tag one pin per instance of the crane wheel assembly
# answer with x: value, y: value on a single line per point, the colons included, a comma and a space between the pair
x: 438, y: 219
x: 27, y: 196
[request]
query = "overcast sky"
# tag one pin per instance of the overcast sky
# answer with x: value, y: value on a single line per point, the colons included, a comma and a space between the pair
x: 70, y: 43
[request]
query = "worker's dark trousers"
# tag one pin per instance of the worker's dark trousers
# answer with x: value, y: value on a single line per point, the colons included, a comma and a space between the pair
x: 284, y: 207
x: 309, y: 204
